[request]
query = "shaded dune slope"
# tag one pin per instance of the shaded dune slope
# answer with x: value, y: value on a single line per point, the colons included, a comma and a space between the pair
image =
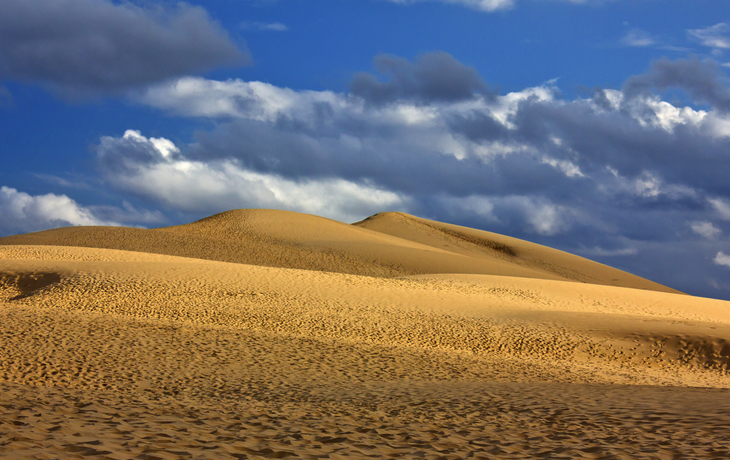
x: 499, y: 250
x: 384, y: 245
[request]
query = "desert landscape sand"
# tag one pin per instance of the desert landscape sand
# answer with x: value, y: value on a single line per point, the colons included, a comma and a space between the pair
x: 272, y: 334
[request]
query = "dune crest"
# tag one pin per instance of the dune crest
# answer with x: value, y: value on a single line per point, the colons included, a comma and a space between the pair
x: 383, y: 245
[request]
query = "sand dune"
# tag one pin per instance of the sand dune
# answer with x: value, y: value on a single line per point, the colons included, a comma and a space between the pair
x: 260, y: 334
x: 385, y: 245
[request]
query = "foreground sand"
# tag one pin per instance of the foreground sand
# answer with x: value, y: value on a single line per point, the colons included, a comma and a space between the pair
x: 119, y: 354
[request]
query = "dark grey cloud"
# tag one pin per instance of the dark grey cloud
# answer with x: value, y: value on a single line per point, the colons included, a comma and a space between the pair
x: 703, y: 80
x: 433, y: 77
x: 82, y: 46
x: 478, y: 126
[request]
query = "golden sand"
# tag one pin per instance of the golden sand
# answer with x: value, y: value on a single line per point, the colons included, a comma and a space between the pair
x: 270, y: 334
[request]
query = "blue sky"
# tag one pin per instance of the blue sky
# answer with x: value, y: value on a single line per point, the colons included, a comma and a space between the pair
x: 597, y: 127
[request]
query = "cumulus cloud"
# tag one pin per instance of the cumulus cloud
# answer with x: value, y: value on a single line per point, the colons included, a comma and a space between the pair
x: 722, y: 259
x: 21, y: 212
x: 706, y: 230
x: 77, y: 46
x: 617, y: 148
x: 155, y: 169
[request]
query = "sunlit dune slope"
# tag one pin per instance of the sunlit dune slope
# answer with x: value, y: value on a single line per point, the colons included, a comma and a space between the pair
x: 386, y: 245
x: 558, y: 330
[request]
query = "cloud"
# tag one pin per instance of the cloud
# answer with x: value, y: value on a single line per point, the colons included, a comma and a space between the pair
x: 632, y: 148
x: 717, y: 36
x: 82, y: 46
x: 703, y: 80
x: 21, y: 212
x: 486, y: 5
x: 432, y: 77
x: 722, y: 259
x: 638, y: 38
x: 536, y: 215
x: 601, y: 252
x: 154, y: 168
x: 706, y: 230
x: 616, y: 174
x: 480, y: 5
x: 722, y: 207
x: 263, y: 26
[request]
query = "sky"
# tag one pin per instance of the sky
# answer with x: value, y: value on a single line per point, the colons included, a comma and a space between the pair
x: 601, y: 128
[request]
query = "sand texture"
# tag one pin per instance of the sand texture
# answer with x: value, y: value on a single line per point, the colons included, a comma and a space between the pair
x: 269, y: 334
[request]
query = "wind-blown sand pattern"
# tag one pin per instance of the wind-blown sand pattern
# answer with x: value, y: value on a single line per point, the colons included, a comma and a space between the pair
x: 269, y: 334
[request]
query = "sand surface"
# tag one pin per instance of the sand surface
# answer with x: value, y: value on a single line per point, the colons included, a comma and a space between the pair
x: 267, y: 334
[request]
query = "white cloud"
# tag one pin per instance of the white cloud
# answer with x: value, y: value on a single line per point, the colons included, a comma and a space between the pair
x: 650, y: 110
x: 717, y: 125
x: 481, y: 5
x: 541, y: 216
x: 506, y: 106
x: 546, y: 218
x: 717, y: 36
x: 274, y: 26
x: 21, y: 212
x: 199, y: 97
x: 722, y: 207
x: 197, y: 186
x: 705, y: 229
x: 423, y: 126
x: 637, y: 37
x: 601, y: 252
x: 482, y: 206
x: 568, y: 168
x: 722, y: 259
x: 644, y: 185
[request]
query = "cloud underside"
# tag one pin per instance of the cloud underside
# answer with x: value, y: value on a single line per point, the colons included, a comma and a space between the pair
x: 91, y: 46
